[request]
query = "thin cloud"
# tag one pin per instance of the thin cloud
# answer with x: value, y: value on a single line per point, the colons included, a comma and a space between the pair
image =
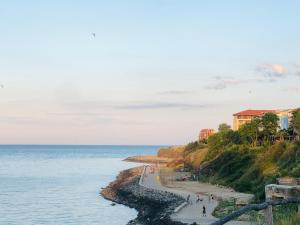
x: 176, y: 92
x: 221, y: 83
x: 297, y: 64
x: 217, y: 86
x: 74, y: 114
x: 292, y: 89
x: 273, y: 70
x: 160, y: 105
x: 86, y: 104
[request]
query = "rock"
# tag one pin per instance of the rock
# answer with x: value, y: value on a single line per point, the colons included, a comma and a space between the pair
x: 154, y: 207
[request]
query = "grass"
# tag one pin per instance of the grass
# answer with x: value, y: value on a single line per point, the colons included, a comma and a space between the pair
x: 249, y: 171
x: 286, y: 215
x: 224, y: 208
x: 282, y: 215
x: 171, y: 152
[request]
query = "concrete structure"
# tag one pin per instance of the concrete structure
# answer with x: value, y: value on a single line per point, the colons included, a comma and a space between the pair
x: 285, y: 117
x: 287, y: 188
x: 246, y: 116
x: 240, y: 118
x: 205, y: 134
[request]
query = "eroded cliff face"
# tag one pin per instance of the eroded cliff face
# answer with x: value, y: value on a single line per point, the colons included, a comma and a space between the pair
x: 154, y: 207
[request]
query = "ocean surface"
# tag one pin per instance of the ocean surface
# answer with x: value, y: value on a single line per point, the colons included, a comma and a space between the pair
x: 55, y: 185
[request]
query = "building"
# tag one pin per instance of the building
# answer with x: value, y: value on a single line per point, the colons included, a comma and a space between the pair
x: 285, y: 117
x: 246, y: 116
x: 205, y: 134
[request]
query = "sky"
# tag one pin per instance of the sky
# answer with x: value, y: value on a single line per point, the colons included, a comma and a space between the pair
x: 154, y: 72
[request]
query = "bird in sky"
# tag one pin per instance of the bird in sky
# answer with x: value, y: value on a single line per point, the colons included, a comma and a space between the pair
x: 94, y: 34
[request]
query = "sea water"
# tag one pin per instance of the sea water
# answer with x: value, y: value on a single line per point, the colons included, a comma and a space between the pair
x: 55, y: 185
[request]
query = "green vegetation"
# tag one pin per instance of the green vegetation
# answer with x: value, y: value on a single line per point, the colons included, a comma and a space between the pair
x: 285, y: 215
x: 251, y: 157
x: 189, y: 156
x: 269, y: 125
x: 296, y: 121
x: 224, y: 208
x: 250, y: 169
x: 250, y: 132
x: 194, y: 154
x: 247, y: 160
x: 171, y: 152
x: 223, y: 127
x: 282, y: 215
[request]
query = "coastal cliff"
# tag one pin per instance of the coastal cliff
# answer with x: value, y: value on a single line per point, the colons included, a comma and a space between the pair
x: 154, y: 207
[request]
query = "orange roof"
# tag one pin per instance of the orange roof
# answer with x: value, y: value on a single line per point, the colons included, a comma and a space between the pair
x: 207, y: 129
x: 251, y: 112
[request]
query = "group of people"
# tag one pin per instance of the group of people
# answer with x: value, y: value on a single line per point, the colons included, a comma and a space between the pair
x: 198, y: 199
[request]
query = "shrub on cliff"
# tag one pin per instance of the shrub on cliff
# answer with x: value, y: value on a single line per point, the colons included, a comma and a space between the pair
x: 296, y: 121
x: 249, y: 171
x: 221, y: 141
x: 194, y: 159
x: 171, y: 152
x: 193, y: 146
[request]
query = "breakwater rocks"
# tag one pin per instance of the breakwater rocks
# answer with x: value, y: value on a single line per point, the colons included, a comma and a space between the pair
x: 154, y: 207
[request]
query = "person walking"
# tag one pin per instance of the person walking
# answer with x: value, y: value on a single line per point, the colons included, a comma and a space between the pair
x: 188, y: 199
x: 198, y: 199
x: 203, y: 211
x: 212, y: 197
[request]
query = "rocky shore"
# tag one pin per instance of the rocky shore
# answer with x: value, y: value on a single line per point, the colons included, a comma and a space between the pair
x: 154, y: 207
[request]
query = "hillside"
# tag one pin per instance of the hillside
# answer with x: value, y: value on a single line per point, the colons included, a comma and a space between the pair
x: 249, y: 170
x: 175, y: 152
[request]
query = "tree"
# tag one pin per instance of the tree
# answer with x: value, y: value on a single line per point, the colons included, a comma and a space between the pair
x: 223, y: 127
x: 215, y: 146
x: 269, y: 123
x: 192, y: 146
x: 295, y: 122
x: 218, y: 142
x: 283, y: 134
x: 232, y: 137
x: 250, y: 131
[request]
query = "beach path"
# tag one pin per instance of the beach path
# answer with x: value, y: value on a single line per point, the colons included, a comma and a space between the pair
x: 191, y: 212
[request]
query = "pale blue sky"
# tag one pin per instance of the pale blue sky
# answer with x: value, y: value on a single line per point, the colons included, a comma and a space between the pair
x: 156, y: 72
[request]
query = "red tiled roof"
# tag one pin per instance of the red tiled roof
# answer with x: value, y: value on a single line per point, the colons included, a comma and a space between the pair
x: 207, y: 129
x: 251, y: 112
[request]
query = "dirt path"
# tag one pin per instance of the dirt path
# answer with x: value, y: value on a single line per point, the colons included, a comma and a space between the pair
x: 191, y: 212
x: 218, y: 192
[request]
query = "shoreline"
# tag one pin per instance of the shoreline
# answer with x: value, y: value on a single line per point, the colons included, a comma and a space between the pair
x: 153, y: 207
x: 157, y: 204
x: 150, y: 159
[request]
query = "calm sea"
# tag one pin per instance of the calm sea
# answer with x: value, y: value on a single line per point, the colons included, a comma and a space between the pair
x: 56, y: 185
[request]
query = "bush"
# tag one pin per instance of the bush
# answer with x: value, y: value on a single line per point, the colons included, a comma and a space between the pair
x: 249, y: 170
x: 171, y: 152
